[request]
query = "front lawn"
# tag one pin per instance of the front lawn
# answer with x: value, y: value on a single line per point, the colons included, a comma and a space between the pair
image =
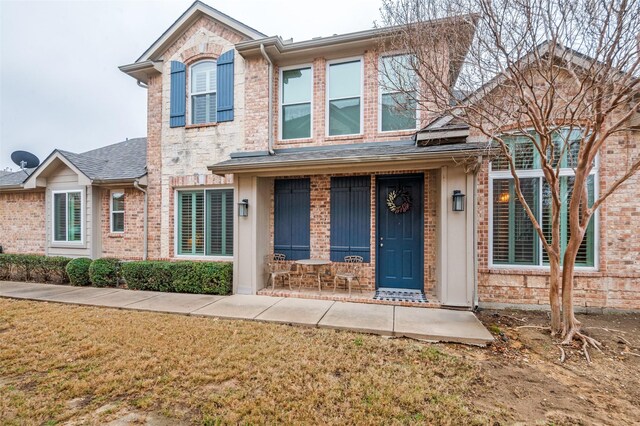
x: 60, y: 363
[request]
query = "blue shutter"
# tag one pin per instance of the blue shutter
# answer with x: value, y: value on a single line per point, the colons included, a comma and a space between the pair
x: 350, y: 217
x: 178, y: 94
x: 292, y: 217
x: 225, y: 86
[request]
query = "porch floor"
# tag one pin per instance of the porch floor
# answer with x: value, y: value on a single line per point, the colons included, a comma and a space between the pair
x: 399, y: 321
x: 342, y: 295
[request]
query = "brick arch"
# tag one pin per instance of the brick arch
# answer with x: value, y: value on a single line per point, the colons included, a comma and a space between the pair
x: 195, y: 54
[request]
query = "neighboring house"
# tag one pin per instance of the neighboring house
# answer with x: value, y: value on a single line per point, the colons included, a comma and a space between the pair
x: 89, y: 204
x: 308, y: 137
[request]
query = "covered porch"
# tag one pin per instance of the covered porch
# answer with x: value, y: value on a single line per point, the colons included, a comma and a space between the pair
x: 387, y: 203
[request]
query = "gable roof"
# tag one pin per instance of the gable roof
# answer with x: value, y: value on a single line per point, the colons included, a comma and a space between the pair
x: 123, y: 161
x: 190, y: 15
x: 452, y: 118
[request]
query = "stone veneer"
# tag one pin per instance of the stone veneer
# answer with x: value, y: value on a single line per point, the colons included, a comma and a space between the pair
x: 177, y: 156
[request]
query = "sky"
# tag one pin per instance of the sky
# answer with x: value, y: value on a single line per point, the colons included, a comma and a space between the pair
x: 60, y: 86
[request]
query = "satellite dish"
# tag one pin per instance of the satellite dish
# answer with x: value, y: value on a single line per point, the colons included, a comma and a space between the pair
x: 25, y: 160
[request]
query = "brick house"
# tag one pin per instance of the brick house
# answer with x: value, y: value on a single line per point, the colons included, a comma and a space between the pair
x: 306, y: 137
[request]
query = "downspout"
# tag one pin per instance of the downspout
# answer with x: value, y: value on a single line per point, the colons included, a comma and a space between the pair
x: 477, y: 168
x: 141, y: 84
x: 270, y: 103
x: 145, y: 240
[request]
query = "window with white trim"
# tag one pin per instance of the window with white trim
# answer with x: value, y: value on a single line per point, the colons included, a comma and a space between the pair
x: 117, y: 211
x: 67, y: 216
x: 514, y: 239
x: 398, y: 108
x: 205, y: 222
x: 344, y: 98
x: 203, y: 92
x: 296, y: 93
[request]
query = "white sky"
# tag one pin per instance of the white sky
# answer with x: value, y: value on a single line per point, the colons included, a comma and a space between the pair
x: 60, y: 86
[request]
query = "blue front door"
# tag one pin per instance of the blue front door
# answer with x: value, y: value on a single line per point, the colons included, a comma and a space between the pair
x: 400, y: 242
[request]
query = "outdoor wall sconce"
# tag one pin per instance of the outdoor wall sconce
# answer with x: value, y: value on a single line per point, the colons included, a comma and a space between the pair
x: 458, y: 201
x: 243, y: 208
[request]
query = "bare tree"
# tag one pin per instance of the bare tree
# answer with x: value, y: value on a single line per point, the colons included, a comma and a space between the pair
x: 561, y: 74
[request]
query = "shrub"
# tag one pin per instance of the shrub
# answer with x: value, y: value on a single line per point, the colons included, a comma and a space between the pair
x: 54, y: 268
x: 202, y: 277
x: 148, y: 275
x: 78, y: 271
x: 30, y: 267
x: 105, y: 272
x: 184, y: 277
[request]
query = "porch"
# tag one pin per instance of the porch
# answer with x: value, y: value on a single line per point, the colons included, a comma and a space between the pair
x: 342, y: 295
x: 387, y: 203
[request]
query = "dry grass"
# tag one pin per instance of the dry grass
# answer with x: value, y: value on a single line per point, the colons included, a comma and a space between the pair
x: 62, y: 363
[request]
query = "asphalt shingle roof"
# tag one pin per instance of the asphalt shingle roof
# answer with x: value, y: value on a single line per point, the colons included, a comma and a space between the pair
x: 120, y: 161
x: 355, y: 153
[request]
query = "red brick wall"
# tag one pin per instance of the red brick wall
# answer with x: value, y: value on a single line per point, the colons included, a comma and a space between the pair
x: 616, y: 283
x: 23, y: 222
x: 256, y: 101
x: 129, y: 244
x: 154, y: 164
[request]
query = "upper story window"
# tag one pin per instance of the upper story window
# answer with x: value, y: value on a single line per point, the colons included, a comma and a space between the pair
x: 514, y: 240
x: 296, y: 94
x: 67, y: 216
x: 344, y: 98
x: 203, y: 92
x: 398, y: 109
x: 117, y: 211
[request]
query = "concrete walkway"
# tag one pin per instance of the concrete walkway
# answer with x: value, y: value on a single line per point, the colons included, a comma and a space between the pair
x: 418, y: 323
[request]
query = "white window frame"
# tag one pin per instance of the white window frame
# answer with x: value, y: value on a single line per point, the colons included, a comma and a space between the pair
x: 191, y: 94
x: 82, y: 217
x: 381, y: 92
x: 537, y: 173
x: 176, y: 192
x: 282, y: 105
x: 328, y: 100
x: 111, y: 211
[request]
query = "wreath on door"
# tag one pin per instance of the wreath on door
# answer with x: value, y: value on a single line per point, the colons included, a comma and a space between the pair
x: 399, y: 201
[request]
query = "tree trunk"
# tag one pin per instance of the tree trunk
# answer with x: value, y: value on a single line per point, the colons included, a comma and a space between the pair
x: 554, y: 296
x: 570, y: 325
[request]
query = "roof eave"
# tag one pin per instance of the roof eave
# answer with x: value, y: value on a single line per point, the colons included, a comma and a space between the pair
x: 189, y: 16
x: 142, y: 71
x: 365, y: 160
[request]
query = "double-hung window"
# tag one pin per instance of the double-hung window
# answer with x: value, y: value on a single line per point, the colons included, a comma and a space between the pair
x: 514, y: 239
x: 296, y: 92
x: 67, y: 216
x: 205, y: 222
x: 398, y: 109
x: 117, y: 211
x: 345, y: 98
x: 203, y: 92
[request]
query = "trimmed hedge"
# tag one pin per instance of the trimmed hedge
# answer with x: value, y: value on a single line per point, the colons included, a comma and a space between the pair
x: 33, y: 267
x: 105, y: 272
x: 179, y: 277
x: 78, y: 271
